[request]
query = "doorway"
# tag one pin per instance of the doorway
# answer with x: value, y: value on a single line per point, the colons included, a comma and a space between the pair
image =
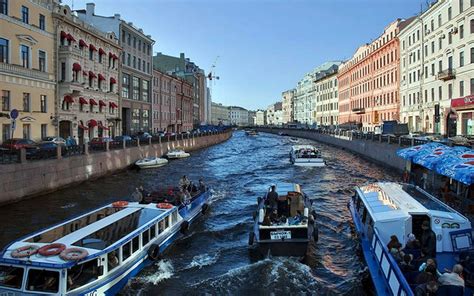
x: 416, y: 222
x: 451, y: 123
x: 64, y: 129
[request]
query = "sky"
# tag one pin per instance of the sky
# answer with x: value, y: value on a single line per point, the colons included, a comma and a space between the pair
x: 264, y: 47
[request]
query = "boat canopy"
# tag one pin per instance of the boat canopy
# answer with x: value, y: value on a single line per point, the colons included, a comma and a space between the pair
x: 454, y: 162
x: 285, y: 188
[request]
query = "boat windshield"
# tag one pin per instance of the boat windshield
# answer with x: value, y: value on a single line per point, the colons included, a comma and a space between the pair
x: 308, y: 153
x: 11, y: 276
x: 112, y: 233
x: 56, y: 233
x: 425, y: 200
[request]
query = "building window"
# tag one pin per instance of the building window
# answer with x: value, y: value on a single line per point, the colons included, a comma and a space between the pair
x: 125, y: 86
x: 123, y: 35
x: 42, y: 61
x: 27, y: 131
x: 129, y: 58
x: 25, y: 14
x: 5, y: 100
x: 140, y: 64
x: 129, y: 38
x: 472, y: 55
x: 472, y: 86
x: 450, y: 13
x: 461, y: 59
x: 136, y: 88
x: 440, y: 43
x: 43, y: 102
x: 26, y: 102
x: 25, y: 56
x: 63, y: 71
x: 91, y: 54
x: 461, y: 6
x: 440, y: 93
x: 461, y: 31
x: 439, y: 20
x: 450, y: 38
x: 4, y: 51
x: 134, y: 42
x: 145, y: 120
x: 42, y: 22
x: 135, y: 120
x: 450, y: 91
x: 461, y: 88
x: 4, y: 7
x: 134, y: 62
x: 472, y: 26
x: 6, y: 132
x: 143, y: 66
x: 44, y: 131
x: 100, y: 59
x: 145, y: 90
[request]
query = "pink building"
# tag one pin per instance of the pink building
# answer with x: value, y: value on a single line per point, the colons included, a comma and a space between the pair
x: 369, y: 81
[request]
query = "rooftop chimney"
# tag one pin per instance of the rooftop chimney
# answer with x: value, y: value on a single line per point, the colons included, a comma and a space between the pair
x: 90, y: 8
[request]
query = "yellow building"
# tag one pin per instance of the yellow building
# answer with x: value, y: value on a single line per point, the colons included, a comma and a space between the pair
x: 27, y: 76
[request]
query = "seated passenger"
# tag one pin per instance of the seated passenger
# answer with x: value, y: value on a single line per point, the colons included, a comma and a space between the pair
x: 453, y: 278
x: 393, y: 241
x: 137, y: 196
x: 427, y: 289
x: 429, y: 274
x: 429, y: 262
x: 396, y: 252
x: 113, y: 260
x: 50, y: 284
x: 406, y: 265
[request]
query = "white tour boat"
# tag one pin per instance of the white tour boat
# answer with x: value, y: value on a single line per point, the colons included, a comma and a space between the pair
x: 306, y: 155
x: 95, y: 253
x: 177, y: 153
x: 381, y: 210
x: 151, y: 162
x: 251, y: 132
x: 287, y: 230
x: 294, y: 140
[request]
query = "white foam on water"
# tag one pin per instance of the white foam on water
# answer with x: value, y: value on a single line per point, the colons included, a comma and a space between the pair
x: 165, y: 271
x: 69, y: 205
x: 203, y: 260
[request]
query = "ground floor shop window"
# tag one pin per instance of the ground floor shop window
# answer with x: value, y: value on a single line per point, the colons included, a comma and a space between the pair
x: 467, y: 124
x: 26, y: 131
x: 6, y: 132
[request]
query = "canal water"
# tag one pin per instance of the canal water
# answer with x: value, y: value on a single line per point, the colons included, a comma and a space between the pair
x: 213, y: 258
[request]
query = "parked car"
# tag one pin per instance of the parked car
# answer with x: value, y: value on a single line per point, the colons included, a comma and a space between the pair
x: 122, y: 138
x: 142, y: 136
x: 46, y: 150
x: 170, y: 134
x: 17, y: 144
x: 99, y: 142
x: 55, y: 140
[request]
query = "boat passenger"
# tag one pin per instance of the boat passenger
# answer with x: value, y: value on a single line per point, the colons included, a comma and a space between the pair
x: 137, y: 195
x: 429, y: 274
x: 272, y: 198
x: 406, y: 265
x: 202, y: 186
x: 396, y: 252
x: 431, y: 262
x: 113, y: 260
x: 427, y: 289
x: 428, y: 241
x: 453, y: 278
x: 393, y: 242
x: 184, y: 182
x: 283, y: 209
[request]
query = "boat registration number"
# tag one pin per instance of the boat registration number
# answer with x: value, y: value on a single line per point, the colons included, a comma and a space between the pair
x: 280, y: 234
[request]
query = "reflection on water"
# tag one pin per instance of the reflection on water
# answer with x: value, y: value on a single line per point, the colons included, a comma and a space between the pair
x: 213, y: 258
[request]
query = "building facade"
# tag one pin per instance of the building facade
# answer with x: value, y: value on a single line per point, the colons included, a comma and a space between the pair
x: 288, y: 99
x: 172, y: 103
x: 251, y: 117
x: 220, y: 114
x: 136, y: 70
x: 303, y: 98
x: 260, y: 118
x: 326, y: 99
x: 87, y: 74
x: 274, y: 114
x: 27, y: 81
x: 238, y: 116
x: 437, y: 69
x: 369, y: 81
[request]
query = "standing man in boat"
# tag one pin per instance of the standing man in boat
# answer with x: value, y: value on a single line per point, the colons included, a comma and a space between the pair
x: 428, y: 241
x: 184, y: 183
x: 272, y: 198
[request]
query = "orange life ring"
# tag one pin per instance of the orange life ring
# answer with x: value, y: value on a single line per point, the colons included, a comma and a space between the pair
x: 25, y: 251
x: 73, y: 254
x: 120, y: 204
x: 164, y: 205
x: 51, y: 250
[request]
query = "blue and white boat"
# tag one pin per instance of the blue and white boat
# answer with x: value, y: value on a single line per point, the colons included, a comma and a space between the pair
x: 98, y: 252
x: 381, y: 210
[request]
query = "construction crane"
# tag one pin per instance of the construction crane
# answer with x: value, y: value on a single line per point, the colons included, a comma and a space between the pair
x: 210, y: 76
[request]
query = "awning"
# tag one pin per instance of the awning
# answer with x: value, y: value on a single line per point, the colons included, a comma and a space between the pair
x: 92, y: 47
x: 101, y: 77
x: 82, y: 43
x: 430, y: 160
x: 76, y: 67
x: 92, y: 123
x: 115, y: 57
x: 101, y: 51
x: 464, y: 102
x: 81, y: 126
x: 113, y: 105
x: 93, y: 102
x: 70, y: 38
x: 459, y: 167
x: 409, y: 153
x: 85, y: 72
x: 63, y: 35
x: 112, y: 80
x: 101, y: 126
x: 101, y: 103
x: 68, y: 99
x: 91, y: 74
x: 82, y: 101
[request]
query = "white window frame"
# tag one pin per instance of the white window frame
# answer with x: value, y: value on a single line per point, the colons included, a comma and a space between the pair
x: 45, y: 61
x: 29, y: 55
x: 9, y: 48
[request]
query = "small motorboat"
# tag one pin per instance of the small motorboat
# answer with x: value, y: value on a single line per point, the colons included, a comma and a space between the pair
x: 306, y: 155
x: 294, y: 140
x: 177, y: 153
x: 285, y: 231
x: 251, y: 132
x: 151, y: 162
x: 282, y: 134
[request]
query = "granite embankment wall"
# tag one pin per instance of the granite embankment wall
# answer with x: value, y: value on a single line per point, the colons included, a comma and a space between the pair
x: 382, y: 153
x: 22, y: 180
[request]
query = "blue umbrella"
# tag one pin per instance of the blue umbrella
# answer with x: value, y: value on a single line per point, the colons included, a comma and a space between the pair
x: 410, y: 152
x: 458, y: 166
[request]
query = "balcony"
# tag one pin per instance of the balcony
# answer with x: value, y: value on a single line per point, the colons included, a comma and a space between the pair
x: 69, y: 49
x: 358, y: 110
x: 446, y: 75
x: 25, y: 72
x: 72, y: 86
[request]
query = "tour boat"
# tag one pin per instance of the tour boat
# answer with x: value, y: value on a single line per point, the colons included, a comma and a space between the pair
x: 288, y: 230
x: 177, y: 153
x: 251, y: 132
x: 95, y: 253
x: 383, y: 209
x: 151, y: 162
x: 306, y: 155
x: 294, y: 140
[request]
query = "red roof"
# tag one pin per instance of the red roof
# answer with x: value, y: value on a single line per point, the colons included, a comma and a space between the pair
x: 68, y: 99
x: 82, y: 101
x: 93, y: 102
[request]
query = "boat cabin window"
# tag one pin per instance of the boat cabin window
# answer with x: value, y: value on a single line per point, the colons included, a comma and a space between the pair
x: 136, y: 243
x: 82, y: 274
x: 126, y: 251
x: 112, y: 260
x: 425, y: 200
x: 174, y: 217
x: 153, y: 231
x: 11, y: 276
x: 41, y: 280
x: 167, y: 222
x: 161, y: 226
x: 145, y: 237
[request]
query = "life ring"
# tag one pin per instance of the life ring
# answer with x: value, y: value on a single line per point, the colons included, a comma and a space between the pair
x: 51, y: 250
x: 184, y: 227
x: 154, y: 252
x: 25, y: 251
x: 120, y: 204
x: 164, y: 205
x: 204, y: 208
x: 73, y: 254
